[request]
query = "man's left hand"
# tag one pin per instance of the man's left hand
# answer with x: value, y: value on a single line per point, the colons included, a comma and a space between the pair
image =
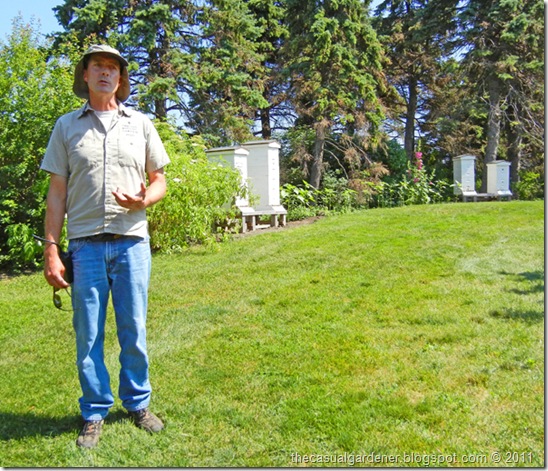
x: 131, y: 202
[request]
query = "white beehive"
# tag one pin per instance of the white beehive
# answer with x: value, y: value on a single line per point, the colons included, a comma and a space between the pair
x: 464, y: 175
x: 498, y: 178
x: 235, y: 157
x: 263, y: 168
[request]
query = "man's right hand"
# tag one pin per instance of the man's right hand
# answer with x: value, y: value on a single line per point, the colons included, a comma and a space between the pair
x: 54, y: 270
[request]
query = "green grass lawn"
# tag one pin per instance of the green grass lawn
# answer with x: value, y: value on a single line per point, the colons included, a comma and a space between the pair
x: 389, y: 337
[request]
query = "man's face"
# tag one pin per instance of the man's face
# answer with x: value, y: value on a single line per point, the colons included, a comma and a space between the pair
x: 102, y: 74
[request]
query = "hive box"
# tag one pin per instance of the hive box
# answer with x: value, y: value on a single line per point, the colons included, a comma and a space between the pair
x: 235, y: 157
x: 464, y: 175
x: 263, y: 169
x: 259, y: 165
x: 498, y: 178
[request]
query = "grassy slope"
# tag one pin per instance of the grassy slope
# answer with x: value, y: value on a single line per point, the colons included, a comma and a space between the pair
x: 395, y: 331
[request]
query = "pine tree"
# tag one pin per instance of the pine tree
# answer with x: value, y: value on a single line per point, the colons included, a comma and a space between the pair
x: 270, y: 15
x: 417, y: 35
x: 333, y: 61
x: 505, y: 47
x: 225, y: 99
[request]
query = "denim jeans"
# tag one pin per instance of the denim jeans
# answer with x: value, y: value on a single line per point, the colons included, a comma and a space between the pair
x: 120, y: 267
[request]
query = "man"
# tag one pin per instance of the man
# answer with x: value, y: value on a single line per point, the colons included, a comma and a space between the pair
x: 99, y: 158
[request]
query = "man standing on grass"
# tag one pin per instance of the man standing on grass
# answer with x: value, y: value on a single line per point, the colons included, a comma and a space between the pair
x: 99, y: 158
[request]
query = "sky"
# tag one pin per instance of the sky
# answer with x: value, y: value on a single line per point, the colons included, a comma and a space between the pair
x: 40, y: 10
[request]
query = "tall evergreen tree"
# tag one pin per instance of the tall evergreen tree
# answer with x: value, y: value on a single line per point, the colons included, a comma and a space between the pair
x: 230, y: 71
x: 333, y: 60
x: 505, y: 48
x: 417, y: 35
x: 278, y: 113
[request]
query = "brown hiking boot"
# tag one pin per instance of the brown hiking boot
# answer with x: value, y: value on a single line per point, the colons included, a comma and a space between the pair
x: 146, y: 420
x: 89, y: 436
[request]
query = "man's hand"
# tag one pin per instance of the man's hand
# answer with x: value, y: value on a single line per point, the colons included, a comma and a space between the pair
x: 133, y: 203
x: 54, y: 270
x: 147, y: 196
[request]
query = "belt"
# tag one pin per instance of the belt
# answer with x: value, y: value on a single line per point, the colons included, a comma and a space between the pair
x: 104, y: 237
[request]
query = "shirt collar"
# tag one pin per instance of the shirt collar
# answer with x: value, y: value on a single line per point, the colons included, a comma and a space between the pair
x: 122, y: 109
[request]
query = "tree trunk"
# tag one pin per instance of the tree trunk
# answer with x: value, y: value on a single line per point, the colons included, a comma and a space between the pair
x: 159, y: 69
x: 266, y: 130
x: 409, y: 138
x: 515, y: 138
x: 493, y: 128
x: 160, y: 110
x: 317, y: 163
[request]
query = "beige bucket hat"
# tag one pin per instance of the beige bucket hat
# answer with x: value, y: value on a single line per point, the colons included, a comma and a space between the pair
x: 80, y: 87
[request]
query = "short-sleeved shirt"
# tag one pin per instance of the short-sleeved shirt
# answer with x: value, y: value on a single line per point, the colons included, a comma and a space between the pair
x: 97, y: 162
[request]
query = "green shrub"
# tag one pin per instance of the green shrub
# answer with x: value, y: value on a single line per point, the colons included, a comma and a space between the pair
x: 305, y: 201
x: 198, y: 204
x: 530, y: 186
x: 396, y: 160
x: 416, y: 186
x: 335, y: 195
x: 299, y: 201
x: 35, y: 89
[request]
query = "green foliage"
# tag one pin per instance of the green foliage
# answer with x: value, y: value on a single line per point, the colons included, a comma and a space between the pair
x: 231, y: 71
x: 419, y: 37
x: 334, y: 194
x: 333, y: 60
x: 530, y: 186
x: 199, y: 195
x: 334, y: 197
x: 35, y: 89
x: 300, y: 201
x: 23, y: 250
x: 416, y: 186
x: 504, y: 43
x: 395, y: 159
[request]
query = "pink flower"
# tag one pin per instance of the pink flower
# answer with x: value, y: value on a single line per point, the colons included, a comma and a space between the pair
x: 418, y: 158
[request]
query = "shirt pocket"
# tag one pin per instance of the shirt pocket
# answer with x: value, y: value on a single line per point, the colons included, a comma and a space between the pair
x: 132, y: 152
x: 86, y: 153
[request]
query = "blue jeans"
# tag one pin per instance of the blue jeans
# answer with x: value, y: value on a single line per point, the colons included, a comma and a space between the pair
x: 121, y: 267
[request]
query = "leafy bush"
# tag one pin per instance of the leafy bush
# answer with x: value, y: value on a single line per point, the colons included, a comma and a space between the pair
x: 198, y: 205
x: 530, y: 186
x: 395, y: 159
x: 416, y: 186
x: 305, y: 201
x: 35, y: 89
x: 299, y: 201
x: 335, y: 195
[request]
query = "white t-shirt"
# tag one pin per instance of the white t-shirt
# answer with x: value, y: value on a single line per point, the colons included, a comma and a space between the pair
x: 106, y: 117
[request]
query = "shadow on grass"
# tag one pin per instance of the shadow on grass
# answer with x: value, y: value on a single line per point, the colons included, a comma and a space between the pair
x: 534, y: 280
x: 15, y: 426
x: 530, y: 316
x: 534, y: 284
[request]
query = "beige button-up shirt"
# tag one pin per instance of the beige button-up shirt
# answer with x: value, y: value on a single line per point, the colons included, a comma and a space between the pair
x: 98, y: 162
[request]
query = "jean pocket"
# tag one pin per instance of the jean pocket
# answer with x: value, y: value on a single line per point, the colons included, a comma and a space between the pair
x: 76, y: 244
